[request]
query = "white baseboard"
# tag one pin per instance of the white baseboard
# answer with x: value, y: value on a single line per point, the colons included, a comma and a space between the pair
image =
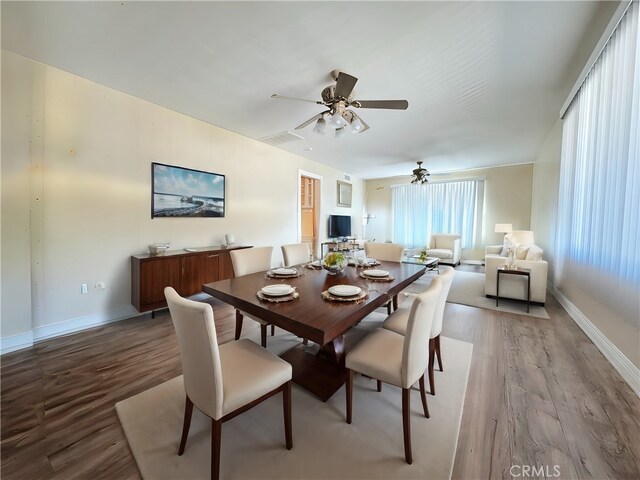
x: 25, y: 340
x: 629, y: 372
x: 82, y: 323
x: 16, y: 342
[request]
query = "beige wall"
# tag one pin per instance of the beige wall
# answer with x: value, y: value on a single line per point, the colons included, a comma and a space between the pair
x: 90, y: 181
x: 507, y: 199
x: 612, y: 306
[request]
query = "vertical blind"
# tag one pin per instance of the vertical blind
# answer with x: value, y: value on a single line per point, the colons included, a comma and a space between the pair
x: 599, y: 203
x: 449, y: 207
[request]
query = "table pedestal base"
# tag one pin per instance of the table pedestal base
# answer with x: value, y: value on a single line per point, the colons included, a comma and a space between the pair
x: 314, y: 373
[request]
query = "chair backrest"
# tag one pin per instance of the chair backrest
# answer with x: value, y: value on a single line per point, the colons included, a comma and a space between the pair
x: 446, y: 277
x: 295, y: 254
x: 251, y: 260
x: 199, y: 352
x: 387, y: 252
x: 522, y: 237
x: 415, y: 354
x: 443, y: 240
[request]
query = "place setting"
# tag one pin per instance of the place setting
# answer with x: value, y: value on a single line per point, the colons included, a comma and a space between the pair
x: 277, y: 293
x: 284, y: 272
x: 344, y: 293
x: 376, y: 275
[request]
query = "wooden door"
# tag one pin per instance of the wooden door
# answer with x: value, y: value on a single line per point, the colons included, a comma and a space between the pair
x: 308, y: 212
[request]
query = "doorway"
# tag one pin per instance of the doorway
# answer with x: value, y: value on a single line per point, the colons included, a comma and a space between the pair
x: 309, y: 211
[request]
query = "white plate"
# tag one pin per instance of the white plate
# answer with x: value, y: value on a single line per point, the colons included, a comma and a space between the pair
x: 277, y: 290
x: 376, y: 273
x: 284, y: 271
x: 344, y: 290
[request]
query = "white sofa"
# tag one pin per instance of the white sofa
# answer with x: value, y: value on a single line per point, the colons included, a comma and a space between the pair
x: 527, y: 255
x: 446, y: 247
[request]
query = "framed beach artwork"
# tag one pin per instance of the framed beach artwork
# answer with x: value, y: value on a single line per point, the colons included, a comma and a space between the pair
x: 185, y: 192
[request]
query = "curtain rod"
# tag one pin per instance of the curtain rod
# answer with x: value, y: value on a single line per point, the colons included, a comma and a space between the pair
x: 597, y: 51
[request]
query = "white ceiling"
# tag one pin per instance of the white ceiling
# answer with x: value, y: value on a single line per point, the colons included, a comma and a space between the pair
x: 484, y: 80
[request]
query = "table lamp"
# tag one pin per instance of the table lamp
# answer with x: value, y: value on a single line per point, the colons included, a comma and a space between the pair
x: 505, y: 228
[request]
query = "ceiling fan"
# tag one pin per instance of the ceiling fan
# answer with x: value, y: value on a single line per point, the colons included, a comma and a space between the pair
x: 338, y: 98
x: 420, y: 175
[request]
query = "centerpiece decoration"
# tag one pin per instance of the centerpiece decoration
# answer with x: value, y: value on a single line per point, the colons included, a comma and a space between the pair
x: 423, y: 255
x: 334, y: 262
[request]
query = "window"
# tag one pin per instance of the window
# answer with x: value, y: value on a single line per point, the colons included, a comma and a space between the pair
x: 598, y: 212
x: 447, y: 207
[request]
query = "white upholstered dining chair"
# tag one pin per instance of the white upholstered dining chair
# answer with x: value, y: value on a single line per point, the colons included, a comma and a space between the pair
x: 385, y: 252
x: 399, y: 360
x: 295, y: 254
x: 398, y: 320
x: 246, y: 261
x: 223, y: 381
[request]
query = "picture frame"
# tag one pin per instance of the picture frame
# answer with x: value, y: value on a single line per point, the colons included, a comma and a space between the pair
x: 344, y: 194
x: 186, y: 192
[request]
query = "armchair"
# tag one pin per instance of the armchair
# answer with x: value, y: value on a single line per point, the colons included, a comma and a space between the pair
x: 526, y: 255
x: 446, y: 247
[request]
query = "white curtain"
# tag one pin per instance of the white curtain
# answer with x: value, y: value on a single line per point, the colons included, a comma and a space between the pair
x: 448, y: 207
x: 599, y: 202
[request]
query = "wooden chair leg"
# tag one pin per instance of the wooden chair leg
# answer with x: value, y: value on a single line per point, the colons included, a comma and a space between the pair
x: 263, y: 335
x: 305, y: 341
x: 432, y: 349
x: 273, y: 329
x: 286, y: 407
x: 216, y: 434
x: 438, y: 353
x: 406, y: 425
x: 379, y: 385
x: 239, y: 318
x: 188, y: 411
x: 349, y: 394
x: 389, y: 308
x: 423, y: 395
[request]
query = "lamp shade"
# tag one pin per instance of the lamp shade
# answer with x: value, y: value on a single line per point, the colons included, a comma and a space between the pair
x: 503, y: 228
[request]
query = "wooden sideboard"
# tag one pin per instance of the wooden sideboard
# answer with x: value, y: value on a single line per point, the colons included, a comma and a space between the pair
x: 185, y: 271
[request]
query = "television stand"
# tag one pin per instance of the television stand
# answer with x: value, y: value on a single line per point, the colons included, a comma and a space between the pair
x: 343, y: 244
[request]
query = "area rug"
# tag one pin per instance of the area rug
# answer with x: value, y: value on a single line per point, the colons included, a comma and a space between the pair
x: 467, y: 288
x: 324, y: 446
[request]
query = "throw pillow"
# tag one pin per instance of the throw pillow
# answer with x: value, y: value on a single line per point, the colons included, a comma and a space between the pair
x: 522, y: 251
x: 535, y: 253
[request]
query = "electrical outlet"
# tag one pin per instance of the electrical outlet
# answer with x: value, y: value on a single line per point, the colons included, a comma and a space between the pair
x: 100, y: 285
x: 84, y: 288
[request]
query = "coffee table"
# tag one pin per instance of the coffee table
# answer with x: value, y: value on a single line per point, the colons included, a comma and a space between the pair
x: 431, y: 263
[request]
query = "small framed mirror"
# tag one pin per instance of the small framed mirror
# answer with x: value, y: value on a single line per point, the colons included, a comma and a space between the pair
x: 344, y: 194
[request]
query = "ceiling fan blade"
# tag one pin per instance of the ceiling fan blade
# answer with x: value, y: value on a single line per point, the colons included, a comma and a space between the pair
x: 345, y: 84
x: 310, y: 121
x: 282, y: 97
x: 388, y: 104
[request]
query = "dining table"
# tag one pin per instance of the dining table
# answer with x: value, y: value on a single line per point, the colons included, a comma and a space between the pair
x: 312, y: 316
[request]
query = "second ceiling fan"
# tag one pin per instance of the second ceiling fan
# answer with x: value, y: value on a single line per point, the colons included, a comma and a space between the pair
x: 338, y: 98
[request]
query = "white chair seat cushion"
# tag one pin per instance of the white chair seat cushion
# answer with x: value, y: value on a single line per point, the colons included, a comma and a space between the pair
x: 440, y: 253
x: 249, y: 372
x: 398, y: 320
x: 379, y: 356
x: 261, y: 322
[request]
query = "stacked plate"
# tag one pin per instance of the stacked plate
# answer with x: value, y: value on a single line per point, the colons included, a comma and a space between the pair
x: 344, y: 290
x: 279, y: 290
x: 375, y: 273
x: 283, y: 272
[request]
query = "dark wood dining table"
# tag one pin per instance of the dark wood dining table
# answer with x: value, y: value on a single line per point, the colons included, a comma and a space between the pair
x: 311, y: 317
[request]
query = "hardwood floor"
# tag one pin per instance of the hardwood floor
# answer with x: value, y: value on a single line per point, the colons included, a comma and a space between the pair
x: 539, y: 394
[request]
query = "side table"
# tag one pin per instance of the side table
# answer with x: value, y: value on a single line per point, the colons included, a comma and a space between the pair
x: 514, y: 271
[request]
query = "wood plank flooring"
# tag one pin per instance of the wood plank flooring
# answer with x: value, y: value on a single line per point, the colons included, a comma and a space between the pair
x: 539, y: 394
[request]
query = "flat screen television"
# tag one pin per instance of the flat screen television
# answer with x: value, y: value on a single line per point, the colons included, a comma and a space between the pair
x: 339, y: 226
x: 185, y: 192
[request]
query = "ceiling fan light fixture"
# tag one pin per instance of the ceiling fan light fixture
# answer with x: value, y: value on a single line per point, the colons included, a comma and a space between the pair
x: 321, y: 126
x: 357, y: 125
x: 341, y: 132
x: 420, y: 175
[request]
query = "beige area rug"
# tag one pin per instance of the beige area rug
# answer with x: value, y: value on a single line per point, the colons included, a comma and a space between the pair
x: 324, y: 446
x: 468, y: 289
